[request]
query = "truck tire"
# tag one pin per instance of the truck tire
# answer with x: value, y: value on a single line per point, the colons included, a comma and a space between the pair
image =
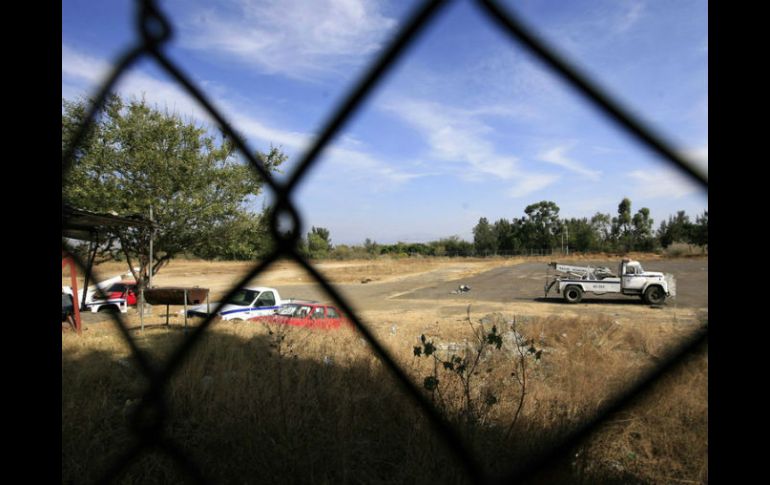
x: 573, y: 294
x: 654, y: 295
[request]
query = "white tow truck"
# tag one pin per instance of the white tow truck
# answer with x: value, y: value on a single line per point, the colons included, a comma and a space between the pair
x: 573, y: 281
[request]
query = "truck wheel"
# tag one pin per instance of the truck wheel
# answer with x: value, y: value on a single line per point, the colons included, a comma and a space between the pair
x: 654, y: 295
x: 573, y: 294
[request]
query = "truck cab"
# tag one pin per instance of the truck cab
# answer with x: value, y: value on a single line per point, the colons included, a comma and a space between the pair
x: 632, y: 276
x: 652, y: 286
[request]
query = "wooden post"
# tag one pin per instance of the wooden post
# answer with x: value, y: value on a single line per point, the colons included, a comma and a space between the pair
x: 185, y: 310
x: 66, y: 259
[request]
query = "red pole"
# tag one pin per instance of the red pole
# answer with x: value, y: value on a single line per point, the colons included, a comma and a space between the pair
x: 73, y: 276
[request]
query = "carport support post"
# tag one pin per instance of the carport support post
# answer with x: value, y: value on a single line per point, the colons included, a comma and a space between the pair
x: 75, y: 305
x: 185, y: 310
x: 91, y: 257
x: 152, y: 233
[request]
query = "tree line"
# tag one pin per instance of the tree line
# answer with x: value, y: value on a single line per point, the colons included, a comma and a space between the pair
x: 539, y: 231
x: 542, y: 228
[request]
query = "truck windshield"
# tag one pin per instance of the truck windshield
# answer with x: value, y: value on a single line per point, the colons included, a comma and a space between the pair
x: 243, y: 297
x: 118, y: 288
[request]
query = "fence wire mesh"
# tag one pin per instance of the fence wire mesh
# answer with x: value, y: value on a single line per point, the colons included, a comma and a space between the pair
x: 154, y: 31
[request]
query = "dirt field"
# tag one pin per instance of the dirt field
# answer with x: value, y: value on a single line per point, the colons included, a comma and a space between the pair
x: 417, y: 293
x: 589, y: 351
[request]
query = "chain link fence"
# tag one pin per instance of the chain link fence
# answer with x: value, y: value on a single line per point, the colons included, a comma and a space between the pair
x: 155, y: 30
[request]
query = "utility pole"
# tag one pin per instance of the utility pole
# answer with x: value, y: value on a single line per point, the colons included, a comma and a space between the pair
x: 152, y: 236
x: 142, y: 305
x: 567, y: 240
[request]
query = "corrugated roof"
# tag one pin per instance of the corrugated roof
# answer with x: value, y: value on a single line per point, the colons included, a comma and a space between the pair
x: 84, y: 225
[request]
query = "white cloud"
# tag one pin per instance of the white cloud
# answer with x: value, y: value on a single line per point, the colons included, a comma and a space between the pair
x: 459, y: 138
x: 83, y: 73
x: 357, y: 166
x: 629, y: 17
x: 456, y: 136
x: 557, y: 156
x: 586, y: 206
x: 347, y: 155
x: 255, y: 128
x: 530, y: 183
x: 81, y: 67
x: 665, y: 183
x: 295, y: 38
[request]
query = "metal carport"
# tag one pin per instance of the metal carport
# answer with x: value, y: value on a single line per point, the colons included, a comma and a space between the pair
x: 85, y: 225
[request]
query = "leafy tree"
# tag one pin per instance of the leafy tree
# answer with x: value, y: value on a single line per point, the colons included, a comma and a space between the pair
x: 699, y: 233
x: 664, y: 234
x: 621, y: 225
x: 456, y: 247
x: 136, y: 157
x: 581, y: 235
x: 642, y: 230
x: 505, y: 236
x: 484, y: 239
x: 318, y: 242
x: 624, y: 215
x: 371, y: 247
x: 525, y: 234
x: 677, y: 229
x: 543, y: 218
x: 246, y: 237
x: 602, y: 226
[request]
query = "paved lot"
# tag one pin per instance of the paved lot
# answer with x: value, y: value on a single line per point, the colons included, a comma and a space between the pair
x: 525, y: 282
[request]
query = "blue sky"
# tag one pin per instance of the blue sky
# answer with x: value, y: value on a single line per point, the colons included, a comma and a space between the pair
x: 467, y: 125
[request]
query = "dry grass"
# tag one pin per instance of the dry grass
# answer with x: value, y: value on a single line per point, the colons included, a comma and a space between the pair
x: 684, y: 250
x: 248, y: 405
x: 219, y: 276
x: 253, y: 404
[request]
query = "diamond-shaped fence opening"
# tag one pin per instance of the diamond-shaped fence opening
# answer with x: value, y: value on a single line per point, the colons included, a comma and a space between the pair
x: 151, y: 413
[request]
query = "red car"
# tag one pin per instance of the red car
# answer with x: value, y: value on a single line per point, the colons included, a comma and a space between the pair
x: 306, y: 314
x: 123, y: 289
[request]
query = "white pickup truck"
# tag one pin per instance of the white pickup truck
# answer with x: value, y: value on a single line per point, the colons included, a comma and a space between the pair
x: 653, y: 287
x: 245, y: 304
x: 102, y: 296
